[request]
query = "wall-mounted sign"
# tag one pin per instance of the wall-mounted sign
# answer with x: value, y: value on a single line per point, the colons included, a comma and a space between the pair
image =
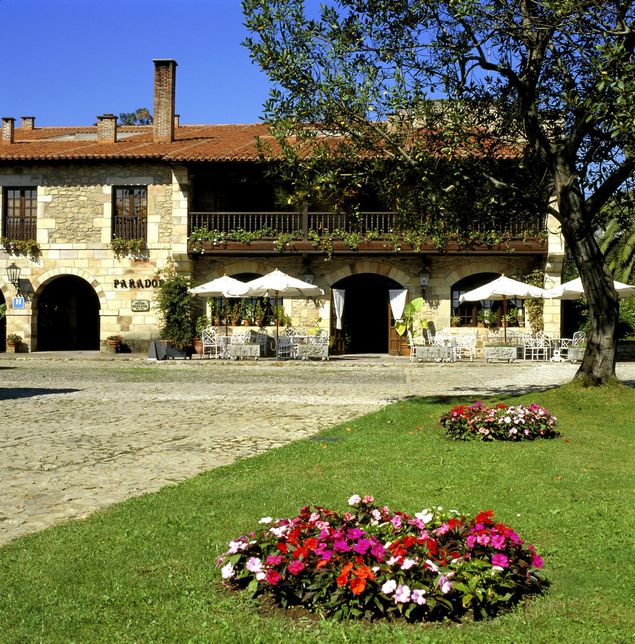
x: 18, y: 302
x: 132, y: 283
x: 139, y: 306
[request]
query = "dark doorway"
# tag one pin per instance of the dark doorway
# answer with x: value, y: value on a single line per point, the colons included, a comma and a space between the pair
x: 3, y: 325
x: 366, y: 318
x: 68, y: 316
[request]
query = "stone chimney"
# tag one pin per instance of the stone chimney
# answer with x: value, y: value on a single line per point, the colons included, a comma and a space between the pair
x: 177, y: 121
x: 107, y: 128
x: 8, y: 123
x: 28, y: 122
x: 164, y: 93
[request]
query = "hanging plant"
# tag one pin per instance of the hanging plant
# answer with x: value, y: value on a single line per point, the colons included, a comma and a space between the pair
x: 122, y: 247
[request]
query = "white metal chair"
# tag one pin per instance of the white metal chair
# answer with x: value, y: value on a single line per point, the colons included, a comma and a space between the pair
x: 285, y: 347
x: 211, y: 345
x: 535, y: 348
x: 466, y: 345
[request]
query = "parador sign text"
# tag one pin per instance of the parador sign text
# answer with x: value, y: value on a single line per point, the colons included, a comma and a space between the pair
x: 138, y: 283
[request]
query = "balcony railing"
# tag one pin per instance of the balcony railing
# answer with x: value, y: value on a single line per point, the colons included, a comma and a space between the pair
x: 381, y: 224
x: 129, y: 227
x: 20, y: 228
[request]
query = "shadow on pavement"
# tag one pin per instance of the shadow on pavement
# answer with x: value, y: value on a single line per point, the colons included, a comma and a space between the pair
x: 10, y: 393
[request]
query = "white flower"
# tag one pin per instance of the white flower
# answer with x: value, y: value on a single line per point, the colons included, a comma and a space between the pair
x: 389, y: 587
x: 261, y: 575
x: 424, y: 515
x: 254, y: 564
x: 407, y: 564
x: 430, y: 565
x: 418, y: 596
x: 355, y: 499
x: 265, y: 520
x: 227, y: 571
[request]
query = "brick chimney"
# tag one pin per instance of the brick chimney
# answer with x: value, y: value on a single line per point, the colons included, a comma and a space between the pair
x: 107, y: 128
x: 28, y: 122
x: 8, y: 123
x: 164, y: 93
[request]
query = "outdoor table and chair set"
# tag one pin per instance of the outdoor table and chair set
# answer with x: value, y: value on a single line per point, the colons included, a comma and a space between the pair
x: 294, y: 344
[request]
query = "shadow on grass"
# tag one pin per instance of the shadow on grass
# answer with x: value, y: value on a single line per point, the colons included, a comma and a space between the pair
x: 499, y: 393
x: 12, y: 393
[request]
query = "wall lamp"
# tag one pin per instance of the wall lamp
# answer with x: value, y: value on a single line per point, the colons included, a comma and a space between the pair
x: 13, y: 275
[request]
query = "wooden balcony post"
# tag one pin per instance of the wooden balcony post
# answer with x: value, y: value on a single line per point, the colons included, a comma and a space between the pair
x: 305, y: 223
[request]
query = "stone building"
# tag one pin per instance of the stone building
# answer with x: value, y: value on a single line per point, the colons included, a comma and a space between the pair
x: 109, y: 206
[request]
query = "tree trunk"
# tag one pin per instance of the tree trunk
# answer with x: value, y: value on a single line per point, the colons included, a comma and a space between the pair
x: 598, y: 365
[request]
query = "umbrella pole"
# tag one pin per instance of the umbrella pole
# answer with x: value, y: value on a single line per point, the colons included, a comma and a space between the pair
x: 276, y: 310
x: 505, y: 317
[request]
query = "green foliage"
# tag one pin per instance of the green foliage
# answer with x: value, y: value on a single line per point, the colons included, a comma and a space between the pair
x: 123, y: 247
x: 410, y: 311
x: 140, y: 116
x: 27, y: 247
x: 3, y: 310
x: 14, y: 338
x: 538, y: 104
x: 177, y: 310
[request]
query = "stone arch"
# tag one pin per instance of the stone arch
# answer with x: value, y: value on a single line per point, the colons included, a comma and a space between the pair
x: 375, y: 266
x: 41, y: 281
x: 66, y: 310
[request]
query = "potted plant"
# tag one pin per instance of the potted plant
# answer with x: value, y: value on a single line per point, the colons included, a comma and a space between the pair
x: 176, y: 307
x: 235, y: 313
x: 406, y: 323
x: 259, y: 312
x: 455, y: 320
x: 485, y: 318
x: 13, y: 342
x: 113, y: 342
x: 203, y: 322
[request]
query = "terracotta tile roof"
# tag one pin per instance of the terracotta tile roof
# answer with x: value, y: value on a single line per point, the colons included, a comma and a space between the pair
x: 191, y: 143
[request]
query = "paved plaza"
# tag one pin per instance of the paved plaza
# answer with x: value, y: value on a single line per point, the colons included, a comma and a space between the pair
x: 81, y: 431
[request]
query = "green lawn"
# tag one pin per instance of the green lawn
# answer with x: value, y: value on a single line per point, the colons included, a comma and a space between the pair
x: 143, y: 570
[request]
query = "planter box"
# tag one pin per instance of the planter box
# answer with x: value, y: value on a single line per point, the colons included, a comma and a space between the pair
x: 509, y: 354
x: 575, y: 354
x: 433, y: 353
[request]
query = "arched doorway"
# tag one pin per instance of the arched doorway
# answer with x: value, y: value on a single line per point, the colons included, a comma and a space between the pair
x: 366, y: 321
x: 3, y: 323
x: 68, y: 316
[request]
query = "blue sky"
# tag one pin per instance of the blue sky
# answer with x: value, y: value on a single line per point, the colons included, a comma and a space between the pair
x: 67, y: 61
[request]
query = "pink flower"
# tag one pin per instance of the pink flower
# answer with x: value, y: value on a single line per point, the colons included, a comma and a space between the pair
x: 273, y: 577
x: 444, y: 584
x: 498, y: 541
x: 536, y: 561
x: 368, y: 499
x: 402, y: 595
x: 499, y: 559
x: 295, y: 567
x: 274, y: 560
x: 254, y: 564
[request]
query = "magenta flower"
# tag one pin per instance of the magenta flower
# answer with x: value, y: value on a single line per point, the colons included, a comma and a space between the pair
x: 536, y: 561
x: 274, y: 560
x: 498, y: 541
x: 295, y: 567
x: 341, y: 545
x: 501, y: 560
x: 362, y: 546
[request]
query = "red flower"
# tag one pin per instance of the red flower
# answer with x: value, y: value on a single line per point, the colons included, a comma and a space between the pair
x: 282, y: 547
x: 485, y: 517
x: 273, y: 577
x: 300, y: 552
x: 357, y: 585
x: 342, y: 578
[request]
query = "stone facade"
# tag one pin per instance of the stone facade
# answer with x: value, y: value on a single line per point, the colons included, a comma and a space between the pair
x: 74, y: 229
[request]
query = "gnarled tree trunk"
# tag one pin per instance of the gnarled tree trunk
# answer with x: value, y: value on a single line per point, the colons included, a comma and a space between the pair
x: 598, y: 364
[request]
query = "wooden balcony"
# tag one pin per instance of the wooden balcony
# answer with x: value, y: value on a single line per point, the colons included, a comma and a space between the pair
x: 267, y: 233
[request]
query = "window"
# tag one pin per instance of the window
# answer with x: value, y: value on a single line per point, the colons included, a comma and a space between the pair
x: 130, y: 212
x: 19, y: 213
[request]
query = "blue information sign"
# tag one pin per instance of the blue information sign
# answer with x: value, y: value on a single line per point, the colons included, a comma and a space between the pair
x: 18, y: 302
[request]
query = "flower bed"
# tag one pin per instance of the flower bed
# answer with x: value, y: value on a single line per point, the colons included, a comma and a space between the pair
x: 502, y: 422
x: 374, y: 563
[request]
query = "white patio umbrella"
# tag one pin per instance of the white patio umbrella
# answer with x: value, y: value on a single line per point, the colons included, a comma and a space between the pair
x: 573, y: 290
x: 502, y: 288
x: 224, y: 286
x: 278, y: 283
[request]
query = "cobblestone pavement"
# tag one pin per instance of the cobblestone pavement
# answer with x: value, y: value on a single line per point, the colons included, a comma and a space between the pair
x: 81, y: 431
